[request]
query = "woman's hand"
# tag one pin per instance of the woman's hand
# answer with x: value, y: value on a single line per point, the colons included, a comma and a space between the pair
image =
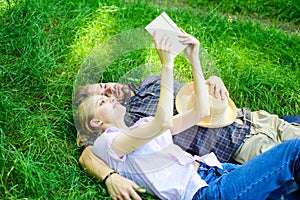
x: 163, y: 47
x: 217, y: 88
x: 122, y: 188
x: 192, y: 50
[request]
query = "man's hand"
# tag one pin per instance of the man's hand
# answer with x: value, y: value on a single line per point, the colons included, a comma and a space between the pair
x: 117, y: 186
x: 121, y: 188
x: 217, y: 88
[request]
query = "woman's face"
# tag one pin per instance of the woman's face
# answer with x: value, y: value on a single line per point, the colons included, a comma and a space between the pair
x: 106, y: 109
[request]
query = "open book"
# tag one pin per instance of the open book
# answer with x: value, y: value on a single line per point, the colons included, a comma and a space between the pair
x: 163, y: 24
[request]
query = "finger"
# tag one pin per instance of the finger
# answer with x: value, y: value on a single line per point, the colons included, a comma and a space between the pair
x: 211, y: 90
x: 227, y: 95
x: 136, y: 188
x: 223, y: 96
x: 185, y: 41
x: 167, y: 43
x: 155, y: 39
x: 163, y: 42
x: 135, y: 196
x: 190, y: 42
x: 211, y: 87
x: 183, y: 35
x: 217, y: 93
x: 124, y: 195
x: 183, y: 38
x: 154, y: 34
x: 182, y: 31
x: 139, y: 189
x: 170, y: 48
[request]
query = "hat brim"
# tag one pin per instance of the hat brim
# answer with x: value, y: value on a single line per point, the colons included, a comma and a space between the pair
x: 184, y: 102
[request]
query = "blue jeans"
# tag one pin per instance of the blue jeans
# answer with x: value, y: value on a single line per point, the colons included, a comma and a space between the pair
x: 267, y: 176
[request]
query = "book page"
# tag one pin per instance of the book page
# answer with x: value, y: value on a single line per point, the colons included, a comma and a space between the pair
x: 164, y: 25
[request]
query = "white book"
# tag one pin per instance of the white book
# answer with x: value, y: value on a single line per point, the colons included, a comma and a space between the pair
x: 164, y: 25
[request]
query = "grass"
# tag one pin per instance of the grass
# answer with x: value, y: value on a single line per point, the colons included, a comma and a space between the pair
x: 253, y: 47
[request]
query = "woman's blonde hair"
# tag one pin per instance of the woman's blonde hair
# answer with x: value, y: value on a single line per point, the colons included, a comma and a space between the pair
x: 85, y: 113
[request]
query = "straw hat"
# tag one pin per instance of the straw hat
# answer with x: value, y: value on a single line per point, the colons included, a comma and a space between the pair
x: 222, y: 112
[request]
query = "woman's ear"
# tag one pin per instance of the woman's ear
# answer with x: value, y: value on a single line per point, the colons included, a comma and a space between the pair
x: 96, y: 123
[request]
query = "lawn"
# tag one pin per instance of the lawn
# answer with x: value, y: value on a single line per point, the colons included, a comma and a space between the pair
x: 46, y: 45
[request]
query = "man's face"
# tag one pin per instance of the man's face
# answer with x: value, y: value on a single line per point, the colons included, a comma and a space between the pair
x: 115, y: 91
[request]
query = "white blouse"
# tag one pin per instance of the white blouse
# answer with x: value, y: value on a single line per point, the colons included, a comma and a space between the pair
x: 160, y: 166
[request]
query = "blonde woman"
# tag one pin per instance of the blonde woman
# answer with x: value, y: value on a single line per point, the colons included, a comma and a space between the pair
x: 146, y: 154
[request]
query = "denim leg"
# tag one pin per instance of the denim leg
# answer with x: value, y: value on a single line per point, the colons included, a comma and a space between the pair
x: 290, y: 191
x: 259, y: 177
x: 211, y: 175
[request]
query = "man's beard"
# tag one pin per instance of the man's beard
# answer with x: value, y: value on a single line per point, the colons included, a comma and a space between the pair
x: 126, y: 95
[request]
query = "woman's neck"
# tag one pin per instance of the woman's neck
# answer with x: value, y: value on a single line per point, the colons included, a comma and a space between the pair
x: 117, y: 124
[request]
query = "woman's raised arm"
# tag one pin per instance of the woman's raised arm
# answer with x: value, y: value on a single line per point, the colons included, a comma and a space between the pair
x: 201, y: 108
x: 163, y: 117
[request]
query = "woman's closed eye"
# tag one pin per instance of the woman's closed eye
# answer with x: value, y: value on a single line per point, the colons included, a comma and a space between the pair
x: 101, y: 102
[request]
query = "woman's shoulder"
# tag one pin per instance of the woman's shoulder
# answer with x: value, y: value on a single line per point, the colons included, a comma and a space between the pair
x: 107, y: 137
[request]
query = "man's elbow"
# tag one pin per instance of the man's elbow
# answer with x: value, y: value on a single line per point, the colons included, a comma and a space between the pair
x: 81, y: 161
x: 84, y: 155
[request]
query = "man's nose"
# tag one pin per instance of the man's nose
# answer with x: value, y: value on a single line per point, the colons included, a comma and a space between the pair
x: 109, y: 91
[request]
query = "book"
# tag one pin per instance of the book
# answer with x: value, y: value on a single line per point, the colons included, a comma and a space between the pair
x: 164, y: 25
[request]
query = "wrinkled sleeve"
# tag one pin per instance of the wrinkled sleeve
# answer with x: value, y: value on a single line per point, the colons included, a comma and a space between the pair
x: 102, y: 148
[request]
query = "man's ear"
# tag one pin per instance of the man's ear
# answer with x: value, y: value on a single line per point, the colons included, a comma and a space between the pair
x: 96, y: 123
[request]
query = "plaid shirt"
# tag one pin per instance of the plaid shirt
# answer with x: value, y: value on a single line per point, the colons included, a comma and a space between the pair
x: 196, y: 140
x: 145, y: 101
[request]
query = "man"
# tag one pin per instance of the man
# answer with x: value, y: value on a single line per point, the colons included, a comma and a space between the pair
x: 239, y: 141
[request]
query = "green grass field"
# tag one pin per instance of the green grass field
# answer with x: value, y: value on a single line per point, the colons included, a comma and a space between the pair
x: 254, y: 48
